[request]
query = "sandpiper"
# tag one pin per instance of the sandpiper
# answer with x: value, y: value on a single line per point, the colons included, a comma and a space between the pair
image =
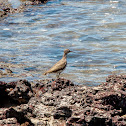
x: 60, y: 65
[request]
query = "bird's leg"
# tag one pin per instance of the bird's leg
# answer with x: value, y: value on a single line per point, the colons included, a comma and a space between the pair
x: 57, y: 76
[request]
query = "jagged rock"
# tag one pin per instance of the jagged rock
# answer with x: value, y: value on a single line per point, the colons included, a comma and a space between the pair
x: 10, y: 116
x: 9, y: 121
x: 6, y: 7
x: 15, y: 92
x: 60, y: 102
x: 22, y: 92
x: 62, y: 112
x: 38, y: 1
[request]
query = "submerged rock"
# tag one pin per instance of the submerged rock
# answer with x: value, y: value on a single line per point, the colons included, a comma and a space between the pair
x: 60, y: 102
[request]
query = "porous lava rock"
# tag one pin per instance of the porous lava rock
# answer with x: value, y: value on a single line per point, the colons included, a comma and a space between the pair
x: 61, y: 103
x: 22, y: 92
x: 6, y: 7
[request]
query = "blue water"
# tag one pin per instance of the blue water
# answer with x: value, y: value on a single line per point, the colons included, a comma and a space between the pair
x: 94, y: 30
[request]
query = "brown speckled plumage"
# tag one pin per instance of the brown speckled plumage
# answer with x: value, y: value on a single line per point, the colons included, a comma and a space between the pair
x: 60, y: 65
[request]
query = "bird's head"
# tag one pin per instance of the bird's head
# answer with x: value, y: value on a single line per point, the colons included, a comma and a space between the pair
x: 66, y: 51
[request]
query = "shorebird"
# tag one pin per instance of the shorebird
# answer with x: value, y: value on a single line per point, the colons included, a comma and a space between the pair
x: 60, y: 65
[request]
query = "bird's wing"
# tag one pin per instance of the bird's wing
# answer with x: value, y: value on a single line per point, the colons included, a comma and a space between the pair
x: 60, y: 65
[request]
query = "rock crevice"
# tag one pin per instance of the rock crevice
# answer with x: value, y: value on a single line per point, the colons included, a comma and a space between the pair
x: 61, y: 103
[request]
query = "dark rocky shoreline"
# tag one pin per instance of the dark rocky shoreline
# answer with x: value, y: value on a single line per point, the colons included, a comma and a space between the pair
x: 6, y: 7
x: 61, y: 103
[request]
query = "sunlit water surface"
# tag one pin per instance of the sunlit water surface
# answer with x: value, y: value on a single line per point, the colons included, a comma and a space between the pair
x: 95, y: 30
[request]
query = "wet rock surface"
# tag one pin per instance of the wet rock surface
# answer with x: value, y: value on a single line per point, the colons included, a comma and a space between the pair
x: 6, y: 7
x: 61, y: 103
x: 11, y: 71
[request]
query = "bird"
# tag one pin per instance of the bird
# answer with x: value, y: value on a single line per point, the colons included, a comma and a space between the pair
x: 60, y: 65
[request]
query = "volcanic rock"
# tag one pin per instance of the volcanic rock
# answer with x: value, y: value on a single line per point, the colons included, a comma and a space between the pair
x: 61, y: 103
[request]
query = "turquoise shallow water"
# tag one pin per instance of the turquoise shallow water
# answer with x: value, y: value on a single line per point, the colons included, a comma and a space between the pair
x: 94, y: 30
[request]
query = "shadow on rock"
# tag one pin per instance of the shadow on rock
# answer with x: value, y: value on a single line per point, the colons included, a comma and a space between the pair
x: 61, y: 103
x: 15, y: 93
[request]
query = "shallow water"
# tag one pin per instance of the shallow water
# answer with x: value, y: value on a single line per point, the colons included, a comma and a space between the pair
x: 95, y: 30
